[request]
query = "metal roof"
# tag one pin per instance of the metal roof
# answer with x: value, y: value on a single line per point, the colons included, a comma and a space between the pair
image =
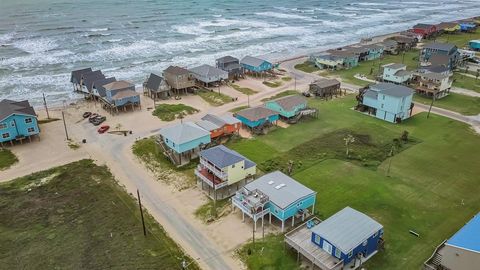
x: 154, y: 82
x: 208, y: 71
x: 391, y: 89
x: 184, y: 132
x: 322, y: 83
x: 439, y: 46
x: 395, y: 66
x: 229, y: 119
x: 347, y: 229
x: 256, y: 113
x: 77, y: 74
x: 124, y: 94
x: 98, y: 84
x: 468, y: 237
x: 118, y: 85
x: 403, y: 73
x: 281, y: 195
x: 207, y: 125
x: 436, y: 68
x: 288, y: 103
x: 423, y: 26
x: 9, y: 107
x: 434, y: 75
x: 222, y: 157
x: 91, y: 77
x: 214, y: 119
x: 252, y: 61
x: 176, y: 70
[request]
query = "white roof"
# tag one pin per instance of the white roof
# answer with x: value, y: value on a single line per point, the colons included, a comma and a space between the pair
x: 290, y: 192
x: 347, y: 229
x: 183, y: 133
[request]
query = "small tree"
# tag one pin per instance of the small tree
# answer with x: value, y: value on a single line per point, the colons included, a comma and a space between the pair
x: 404, y: 136
x: 477, y: 74
x: 349, y: 139
x: 290, y: 167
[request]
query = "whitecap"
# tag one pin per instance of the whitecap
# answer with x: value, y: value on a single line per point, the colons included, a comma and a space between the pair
x: 284, y: 16
x: 36, y: 45
x: 99, y: 29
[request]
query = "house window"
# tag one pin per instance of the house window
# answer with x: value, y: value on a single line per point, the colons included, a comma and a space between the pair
x: 350, y: 254
x: 338, y: 254
x: 365, y: 243
x: 28, y: 120
x: 5, y: 135
x: 173, y: 144
x: 383, y: 97
x: 299, y: 204
x: 375, y: 234
x: 3, y: 125
x: 31, y: 129
x: 166, y: 140
x: 317, y: 239
x: 13, y: 123
x: 382, y: 106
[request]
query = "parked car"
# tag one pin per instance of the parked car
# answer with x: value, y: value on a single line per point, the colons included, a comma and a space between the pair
x: 86, y: 114
x: 98, y: 120
x: 92, y: 117
x: 103, y: 129
x: 306, y: 94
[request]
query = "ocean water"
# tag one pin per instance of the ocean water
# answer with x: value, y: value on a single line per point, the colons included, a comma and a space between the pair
x: 41, y: 41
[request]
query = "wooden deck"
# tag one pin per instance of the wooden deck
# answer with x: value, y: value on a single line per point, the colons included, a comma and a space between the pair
x: 300, y: 240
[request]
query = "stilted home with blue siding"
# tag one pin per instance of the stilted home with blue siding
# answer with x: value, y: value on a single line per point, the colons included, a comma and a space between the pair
x: 386, y: 101
x: 255, y: 65
x: 183, y: 142
x: 287, y: 107
x: 440, y: 50
x: 275, y: 194
x: 120, y: 94
x: 257, y: 117
x: 348, y: 235
x: 18, y: 121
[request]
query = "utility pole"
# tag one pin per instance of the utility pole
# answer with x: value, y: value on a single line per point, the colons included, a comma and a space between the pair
x: 214, y: 199
x: 403, y: 57
x: 431, y: 105
x: 248, y: 100
x: 141, y: 213
x: 295, y: 79
x: 45, y: 104
x: 253, y: 226
x: 65, y: 125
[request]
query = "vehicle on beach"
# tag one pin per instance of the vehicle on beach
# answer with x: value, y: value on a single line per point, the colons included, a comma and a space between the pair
x: 98, y: 120
x: 103, y: 129
x: 87, y: 114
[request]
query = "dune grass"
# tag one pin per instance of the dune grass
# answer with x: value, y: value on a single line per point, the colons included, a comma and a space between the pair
x: 239, y: 108
x: 282, y: 94
x: 244, y: 90
x: 307, y: 66
x: 170, y: 112
x: 77, y: 217
x: 214, y: 98
x: 272, y: 84
x: 426, y: 186
x: 7, y: 159
x: 463, y: 104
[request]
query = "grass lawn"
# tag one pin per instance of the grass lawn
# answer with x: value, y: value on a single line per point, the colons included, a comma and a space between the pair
x: 46, y: 120
x: 244, y: 90
x: 461, y: 39
x: 169, y: 112
x: 208, y: 213
x: 7, y: 159
x: 466, y: 82
x: 77, y: 217
x: 371, y: 68
x: 307, y: 67
x: 272, y: 84
x: 463, y: 104
x: 239, y: 108
x: 214, y: 98
x: 286, y: 79
x: 281, y: 94
x: 427, y: 182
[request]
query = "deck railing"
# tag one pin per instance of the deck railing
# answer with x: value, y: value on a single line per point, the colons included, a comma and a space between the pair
x: 209, y: 181
x: 248, y: 210
x: 218, y: 172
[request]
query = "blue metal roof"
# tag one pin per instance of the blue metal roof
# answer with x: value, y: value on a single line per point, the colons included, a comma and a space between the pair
x: 468, y: 237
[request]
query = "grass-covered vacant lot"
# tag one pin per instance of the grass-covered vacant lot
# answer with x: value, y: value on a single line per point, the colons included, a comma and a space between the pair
x: 214, y: 98
x: 169, y: 112
x: 307, y: 66
x: 281, y: 94
x: 466, y: 82
x: 77, y: 217
x: 7, y: 159
x: 244, y: 90
x: 431, y: 187
x: 465, y: 105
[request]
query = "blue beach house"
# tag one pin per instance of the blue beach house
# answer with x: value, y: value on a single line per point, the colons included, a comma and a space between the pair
x: 462, y: 250
x: 255, y: 65
x: 120, y: 94
x: 348, y: 235
x: 467, y: 26
x: 18, y: 121
x: 387, y: 101
x: 474, y: 45
x: 275, y: 194
x: 183, y: 142
x: 288, y: 106
x: 257, y: 116
x: 439, y: 51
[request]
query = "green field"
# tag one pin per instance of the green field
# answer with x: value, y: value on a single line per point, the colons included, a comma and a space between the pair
x: 463, y: 104
x: 431, y: 186
x: 7, y: 159
x: 77, y: 217
x: 307, y: 66
x: 273, y: 84
x: 281, y: 94
x: 244, y: 90
x: 461, y: 40
x: 239, y: 108
x: 466, y: 82
x: 170, y: 112
x: 214, y: 98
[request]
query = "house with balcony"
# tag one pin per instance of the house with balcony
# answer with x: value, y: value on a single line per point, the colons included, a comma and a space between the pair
x: 390, y: 46
x: 76, y: 78
x: 179, y: 79
x: 255, y: 65
x: 474, y: 44
x: 396, y: 73
x: 288, y: 106
x: 206, y: 74
x: 424, y: 30
x: 18, y: 121
x: 432, y: 84
x: 461, y: 251
x: 120, y: 95
x: 448, y: 27
x: 325, y: 88
x: 349, y: 235
x: 275, y: 194
x: 183, y: 142
x: 231, y: 65
x: 219, y: 126
x: 437, y: 53
x: 335, y: 60
x: 257, y: 117
x: 386, y: 101
x: 156, y: 87
x: 223, y: 171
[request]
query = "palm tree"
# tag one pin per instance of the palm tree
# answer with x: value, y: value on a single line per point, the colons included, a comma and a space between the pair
x: 349, y: 139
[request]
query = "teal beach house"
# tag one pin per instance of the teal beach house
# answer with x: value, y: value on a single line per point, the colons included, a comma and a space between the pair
x: 287, y: 107
x: 18, y: 121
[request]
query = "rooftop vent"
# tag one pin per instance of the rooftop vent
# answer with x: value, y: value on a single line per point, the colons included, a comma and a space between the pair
x: 270, y: 182
x: 280, y: 186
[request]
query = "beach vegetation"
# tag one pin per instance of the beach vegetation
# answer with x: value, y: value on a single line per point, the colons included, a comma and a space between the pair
x: 7, y: 159
x: 281, y: 94
x: 466, y: 82
x: 272, y: 84
x: 77, y: 217
x: 210, y: 211
x: 244, y: 90
x: 307, y: 66
x: 170, y: 112
x: 463, y: 104
x: 239, y: 108
x: 214, y: 98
